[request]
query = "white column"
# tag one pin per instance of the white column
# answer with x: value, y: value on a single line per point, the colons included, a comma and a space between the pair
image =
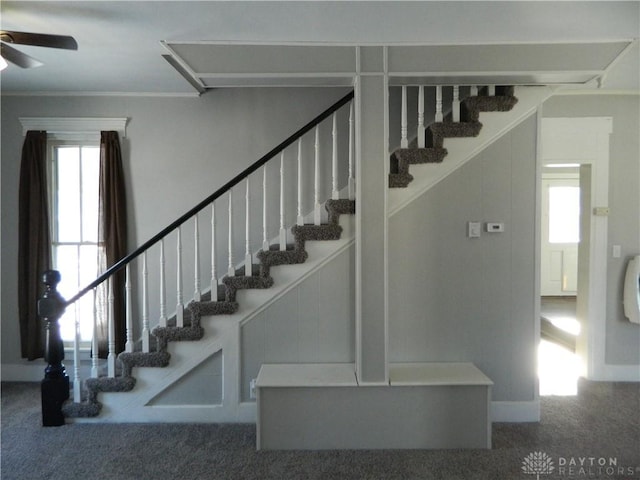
x: 128, y: 309
x: 439, y: 116
x: 111, y: 357
x: 371, y: 270
x: 335, y: 194
x: 248, y: 268
x: 197, y: 294
x: 145, y: 305
x: 317, y: 208
x: 163, y: 289
x: 179, y: 301
x: 352, y: 181
x: 283, y: 230
x: 421, y: 127
x: 300, y: 219
x: 231, y: 270
x: 265, y: 238
x: 404, y: 141
x: 455, y: 104
x: 214, y: 272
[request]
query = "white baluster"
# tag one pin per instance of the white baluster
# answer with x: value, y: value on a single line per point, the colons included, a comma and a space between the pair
x: 231, y: 270
x: 421, y: 127
x: 111, y: 357
x: 300, y: 219
x: 76, y: 357
x: 145, y: 305
x: 473, y: 91
x: 128, y: 309
x: 439, y: 116
x: 352, y: 179
x: 317, y: 209
x: 265, y: 239
x: 455, y: 104
x: 179, y: 302
x: 491, y: 90
x: 335, y: 194
x: 404, y: 141
x: 214, y: 272
x: 248, y: 268
x: 283, y: 230
x: 163, y: 288
x: 94, y: 338
x: 197, y: 294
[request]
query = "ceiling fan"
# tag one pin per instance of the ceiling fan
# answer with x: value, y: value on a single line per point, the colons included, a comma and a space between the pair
x: 36, y: 39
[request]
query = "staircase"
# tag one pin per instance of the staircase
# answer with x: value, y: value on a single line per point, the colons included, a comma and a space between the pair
x: 212, y: 323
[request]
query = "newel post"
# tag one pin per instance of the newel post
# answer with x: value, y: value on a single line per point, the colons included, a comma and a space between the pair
x: 55, y: 385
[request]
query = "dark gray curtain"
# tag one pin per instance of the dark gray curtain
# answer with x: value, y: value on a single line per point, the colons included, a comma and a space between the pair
x: 112, y: 236
x: 34, y: 241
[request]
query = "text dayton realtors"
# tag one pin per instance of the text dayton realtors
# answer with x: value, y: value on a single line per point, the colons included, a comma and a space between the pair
x: 593, y: 466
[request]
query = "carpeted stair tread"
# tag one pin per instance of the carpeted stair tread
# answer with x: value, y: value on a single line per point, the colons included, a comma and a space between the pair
x: 469, y: 126
x: 81, y: 410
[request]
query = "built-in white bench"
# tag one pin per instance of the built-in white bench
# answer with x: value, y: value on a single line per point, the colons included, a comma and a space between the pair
x: 322, y: 406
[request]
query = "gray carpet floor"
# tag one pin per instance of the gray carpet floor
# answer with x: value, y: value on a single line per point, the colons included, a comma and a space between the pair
x: 603, y: 421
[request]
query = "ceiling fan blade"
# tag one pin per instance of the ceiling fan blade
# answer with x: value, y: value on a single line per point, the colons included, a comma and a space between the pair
x: 39, y: 39
x: 18, y: 58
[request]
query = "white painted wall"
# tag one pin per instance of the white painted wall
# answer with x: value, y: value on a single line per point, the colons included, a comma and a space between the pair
x: 622, y: 337
x: 458, y: 299
x: 177, y: 152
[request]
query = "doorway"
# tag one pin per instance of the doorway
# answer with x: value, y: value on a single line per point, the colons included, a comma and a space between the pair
x: 575, y: 167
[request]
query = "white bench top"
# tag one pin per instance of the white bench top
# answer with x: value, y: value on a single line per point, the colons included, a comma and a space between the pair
x: 307, y: 375
x: 429, y: 373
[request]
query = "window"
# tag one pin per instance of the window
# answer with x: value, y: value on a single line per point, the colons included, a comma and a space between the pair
x: 564, y: 214
x: 74, y: 204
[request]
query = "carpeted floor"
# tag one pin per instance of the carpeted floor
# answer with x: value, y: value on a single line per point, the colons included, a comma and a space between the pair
x: 602, y: 423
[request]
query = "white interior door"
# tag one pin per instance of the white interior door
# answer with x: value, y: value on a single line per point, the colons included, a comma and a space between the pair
x: 560, y: 234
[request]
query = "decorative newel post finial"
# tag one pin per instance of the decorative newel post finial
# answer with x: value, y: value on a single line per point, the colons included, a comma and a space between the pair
x: 55, y: 385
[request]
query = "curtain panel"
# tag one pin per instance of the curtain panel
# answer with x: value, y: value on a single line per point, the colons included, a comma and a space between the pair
x: 34, y: 242
x: 112, y: 238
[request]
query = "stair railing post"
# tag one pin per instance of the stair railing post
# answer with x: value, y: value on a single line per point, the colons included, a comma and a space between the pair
x: 283, y: 230
x: 129, y: 312
x: 163, y: 289
x: 248, y: 257
x: 455, y: 105
x: 54, y: 387
x: 94, y: 337
x: 214, y: 271
x: 179, y: 301
x: 439, y: 116
x: 76, y: 356
x: 145, y: 305
x: 196, y: 260
x: 335, y: 194
x: 491, y: 90
x: 421, y: 127
x: 473, y: 91
x: 111, y: 356
x: 300, y: 218
x: 352, y: 180
x: 317, y: 209
x: 231, y: 270
x: 404, y: 141
x: 265, y: 238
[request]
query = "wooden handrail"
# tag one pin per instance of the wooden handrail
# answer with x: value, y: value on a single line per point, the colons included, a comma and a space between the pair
x: 211, y: 198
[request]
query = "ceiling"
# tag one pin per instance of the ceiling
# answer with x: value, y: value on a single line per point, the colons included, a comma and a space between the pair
x: 122, y: 43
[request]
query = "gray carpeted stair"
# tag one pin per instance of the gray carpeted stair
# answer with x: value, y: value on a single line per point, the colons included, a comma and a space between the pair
x: 469, y: 126
x: 192, y: 331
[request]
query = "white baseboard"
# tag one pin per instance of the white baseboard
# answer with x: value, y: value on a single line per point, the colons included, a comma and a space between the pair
x: 17, y: 372
x: 617, y: 373
x: 515, y: 412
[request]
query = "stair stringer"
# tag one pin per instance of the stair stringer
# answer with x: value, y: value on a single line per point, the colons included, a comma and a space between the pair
x: 461, y: 150
x: 221, y: 333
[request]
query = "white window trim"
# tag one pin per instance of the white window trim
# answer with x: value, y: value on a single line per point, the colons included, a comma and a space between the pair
x: 74, y: 128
